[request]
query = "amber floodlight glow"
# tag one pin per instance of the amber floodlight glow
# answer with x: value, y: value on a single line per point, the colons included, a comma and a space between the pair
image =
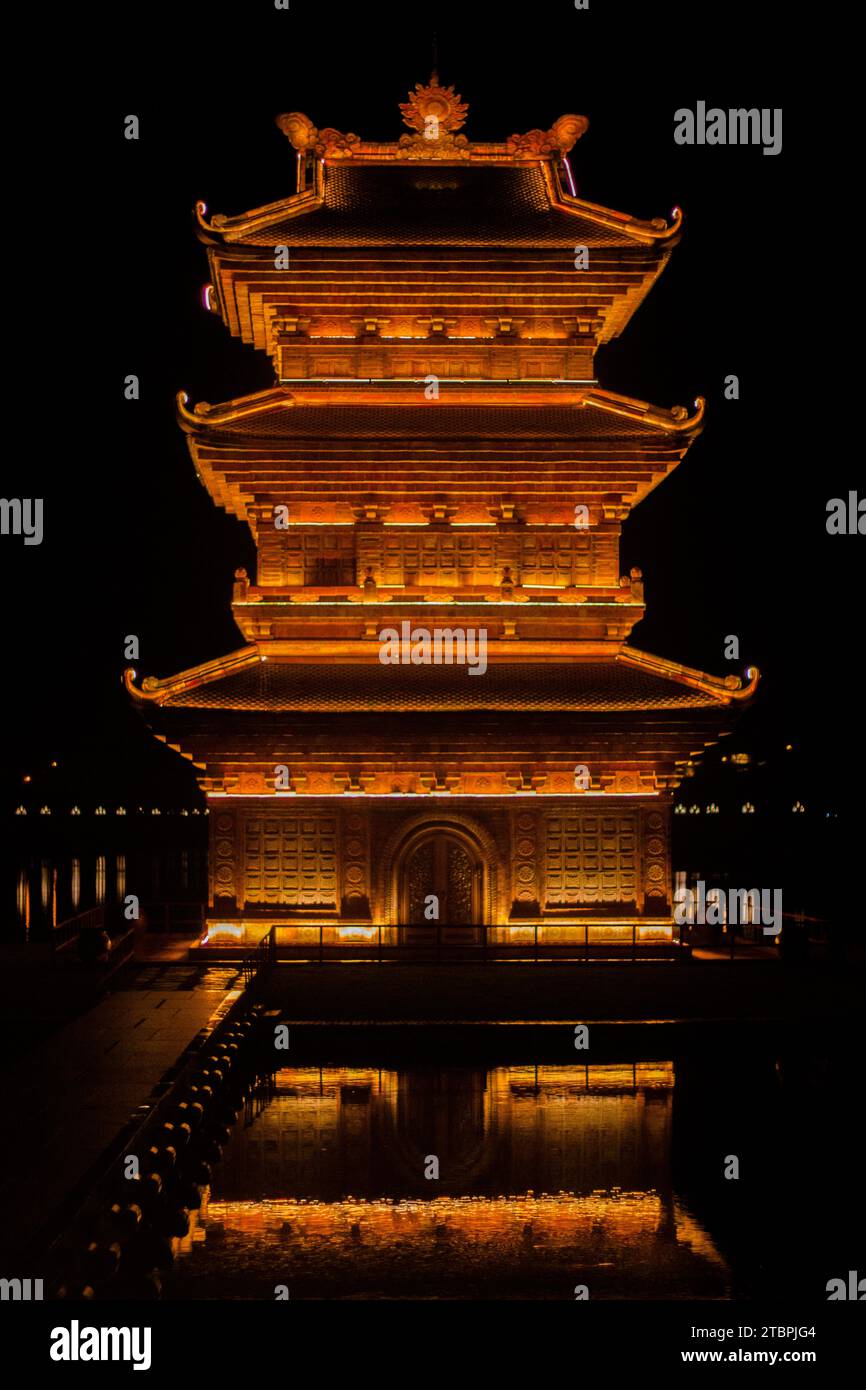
x: 434, y: 455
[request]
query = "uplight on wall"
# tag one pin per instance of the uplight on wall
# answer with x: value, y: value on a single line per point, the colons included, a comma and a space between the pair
x: 224, y: 931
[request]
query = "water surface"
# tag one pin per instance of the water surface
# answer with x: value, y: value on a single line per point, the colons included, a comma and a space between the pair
x: 549, y: 1178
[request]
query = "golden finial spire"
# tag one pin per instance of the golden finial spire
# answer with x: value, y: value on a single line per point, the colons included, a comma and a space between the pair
x: 432, y: 103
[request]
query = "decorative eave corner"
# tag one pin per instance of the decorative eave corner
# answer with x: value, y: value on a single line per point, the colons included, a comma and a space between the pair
x: 207, y: 416
x: 154, y: 691
x: 676, y: 420
x: 726, y: 689
x: 648, y: 233
x: 222, y: 229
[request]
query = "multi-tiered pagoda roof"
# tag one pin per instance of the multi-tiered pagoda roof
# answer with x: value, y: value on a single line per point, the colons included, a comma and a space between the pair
x: 436, y: 450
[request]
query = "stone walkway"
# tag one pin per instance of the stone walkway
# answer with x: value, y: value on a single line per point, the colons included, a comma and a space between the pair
x: 68, y: 1098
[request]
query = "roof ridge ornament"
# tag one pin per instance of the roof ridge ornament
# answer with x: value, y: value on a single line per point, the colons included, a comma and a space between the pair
x: 434, y: 115
x: 433, y: 108
x: 305, y: 138
x: 562, y: 136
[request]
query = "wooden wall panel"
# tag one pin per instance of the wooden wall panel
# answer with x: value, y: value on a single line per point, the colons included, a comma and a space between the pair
x: 291, y: 857
x: 591, y: 858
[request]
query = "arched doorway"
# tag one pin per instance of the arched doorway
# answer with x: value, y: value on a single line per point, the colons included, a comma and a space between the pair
x: 441, y: 884
x: 391, y: 880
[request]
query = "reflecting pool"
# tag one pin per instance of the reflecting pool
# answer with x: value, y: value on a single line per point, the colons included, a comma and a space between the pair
x: 452, y: 1182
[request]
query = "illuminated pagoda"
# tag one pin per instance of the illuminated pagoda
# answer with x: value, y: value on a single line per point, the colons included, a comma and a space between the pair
x: 435, y: 459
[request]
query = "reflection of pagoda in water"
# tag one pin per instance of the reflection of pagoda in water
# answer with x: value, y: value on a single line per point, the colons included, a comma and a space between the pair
x: 542, y: 1171
x: 509, y: 1130
x: 437, y: 461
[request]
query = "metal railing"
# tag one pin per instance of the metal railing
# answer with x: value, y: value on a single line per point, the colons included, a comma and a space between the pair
x: 173, y: 916
x: 257, y: 962
x: 66, y: 935
x: 447, y: 944
x: 748, y: 935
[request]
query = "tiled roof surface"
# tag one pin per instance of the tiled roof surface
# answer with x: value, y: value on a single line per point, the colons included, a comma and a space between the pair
x: 423, y: 205
x: 438, y: 420
x: 591, y: 686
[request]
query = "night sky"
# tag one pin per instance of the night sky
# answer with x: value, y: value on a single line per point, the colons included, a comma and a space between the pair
x: 733, y: 543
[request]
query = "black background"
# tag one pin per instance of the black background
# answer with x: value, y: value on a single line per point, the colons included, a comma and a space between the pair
x: 109, y: 275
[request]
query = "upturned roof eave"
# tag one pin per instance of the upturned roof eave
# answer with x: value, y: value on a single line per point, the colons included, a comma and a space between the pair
x: 205, y: 417
x: 725, y: 690
x: 231, y: 230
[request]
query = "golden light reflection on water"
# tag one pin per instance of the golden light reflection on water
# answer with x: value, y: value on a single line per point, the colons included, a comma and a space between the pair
x: 549, y: 1176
